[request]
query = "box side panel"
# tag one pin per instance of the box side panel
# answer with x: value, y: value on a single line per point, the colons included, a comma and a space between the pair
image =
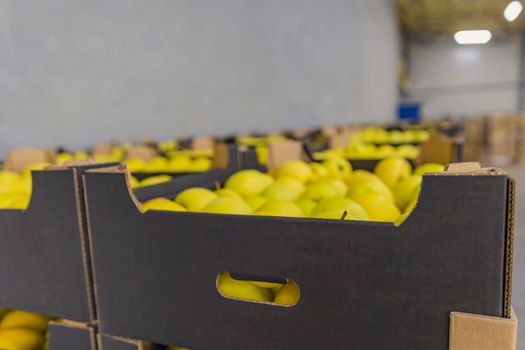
x: 363, y: 285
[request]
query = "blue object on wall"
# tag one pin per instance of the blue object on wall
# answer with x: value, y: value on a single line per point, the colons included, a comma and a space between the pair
x: 409, y: 112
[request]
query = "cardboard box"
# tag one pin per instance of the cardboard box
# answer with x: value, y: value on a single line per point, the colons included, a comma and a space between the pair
x: 226, y: 157
x: 364, y: 285
x: 19, y: 159
x: 44, y: 255
x: 70, y: 335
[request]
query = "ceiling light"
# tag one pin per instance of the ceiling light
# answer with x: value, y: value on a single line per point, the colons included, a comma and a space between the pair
x: 469, y: 37
x: 513, y: 10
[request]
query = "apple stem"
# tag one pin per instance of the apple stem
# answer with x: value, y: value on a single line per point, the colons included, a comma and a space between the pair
x: 344, y: 215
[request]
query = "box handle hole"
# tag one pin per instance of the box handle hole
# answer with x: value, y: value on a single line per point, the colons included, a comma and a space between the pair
x: 254, y: 289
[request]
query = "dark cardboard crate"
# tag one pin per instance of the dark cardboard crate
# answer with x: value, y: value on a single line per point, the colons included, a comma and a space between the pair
x: 44, y: 256
x: 364, y: 285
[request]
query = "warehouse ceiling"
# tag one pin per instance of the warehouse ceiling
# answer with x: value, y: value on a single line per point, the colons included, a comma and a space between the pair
x: 448, y: 16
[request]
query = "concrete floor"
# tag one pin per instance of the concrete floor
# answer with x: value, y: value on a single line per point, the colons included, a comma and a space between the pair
x: 518, y: 297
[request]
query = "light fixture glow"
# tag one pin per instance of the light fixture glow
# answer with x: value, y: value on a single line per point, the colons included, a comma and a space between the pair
x: 513, y: 10
x: 469, y: 37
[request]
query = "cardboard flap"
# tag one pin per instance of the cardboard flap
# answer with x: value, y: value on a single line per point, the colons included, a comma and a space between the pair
x: 105, y: 148
x: 19, y: 159
x: 466, y: 167
x: 437, y: 149
x: 141, y: 152
x: 221, y: 156
x: 203, y: 143
x: 108, y: 342
x: 476, y: 332
x: 68, y: 335
x: 339, y: 140
x: 281, y: 152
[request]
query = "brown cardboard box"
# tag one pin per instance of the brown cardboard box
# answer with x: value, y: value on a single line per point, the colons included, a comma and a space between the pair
x: 19, y: 159
x: 469, y: 332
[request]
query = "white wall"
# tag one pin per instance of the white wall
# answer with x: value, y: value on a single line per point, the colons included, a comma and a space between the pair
x: 76, y: 72
x: 452, y: 79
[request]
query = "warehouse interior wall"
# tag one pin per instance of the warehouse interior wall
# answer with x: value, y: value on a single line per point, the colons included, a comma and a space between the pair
x: 451, y: 79
x: 78, y: 72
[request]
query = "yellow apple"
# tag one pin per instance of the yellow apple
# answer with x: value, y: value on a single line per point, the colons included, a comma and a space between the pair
x: 161, y: 203
x: 406, y: 189
x: 255, y: 202
x: 280, y: 208
x: 228, y: 205
x: 249, y: 182
x: 393, y: 169
x: 195, y: 198
x: 378, y: 207
x: 306, y: 205
x: 341, y: 205
x: 319, y: 190
x: 155, y: 180
x: 338, y: 167
x: 245, y: 290
x: 296, y: 169
x: 429, y: 168
x: 289, y: 294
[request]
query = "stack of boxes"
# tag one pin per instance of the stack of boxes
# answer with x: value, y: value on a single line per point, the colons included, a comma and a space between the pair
x: 502, y: 139
x: 474, y: 145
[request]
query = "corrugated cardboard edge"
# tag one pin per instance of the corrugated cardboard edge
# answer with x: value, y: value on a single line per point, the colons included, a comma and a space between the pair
x: 509, y: 254
x: 477, y: 332
x: 468, y: 168
x: 111, y: 169
x: 473, y: 168
x: 86, y: 259
x: 140, y: 344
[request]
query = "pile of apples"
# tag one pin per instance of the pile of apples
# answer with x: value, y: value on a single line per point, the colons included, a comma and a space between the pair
x: 328, y: 190
x: 361, y: 150
x: 261, y: 145
x: 21, y: 330
x: 174, y: 161
x: 15, y: 188
x: 382, y: 136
